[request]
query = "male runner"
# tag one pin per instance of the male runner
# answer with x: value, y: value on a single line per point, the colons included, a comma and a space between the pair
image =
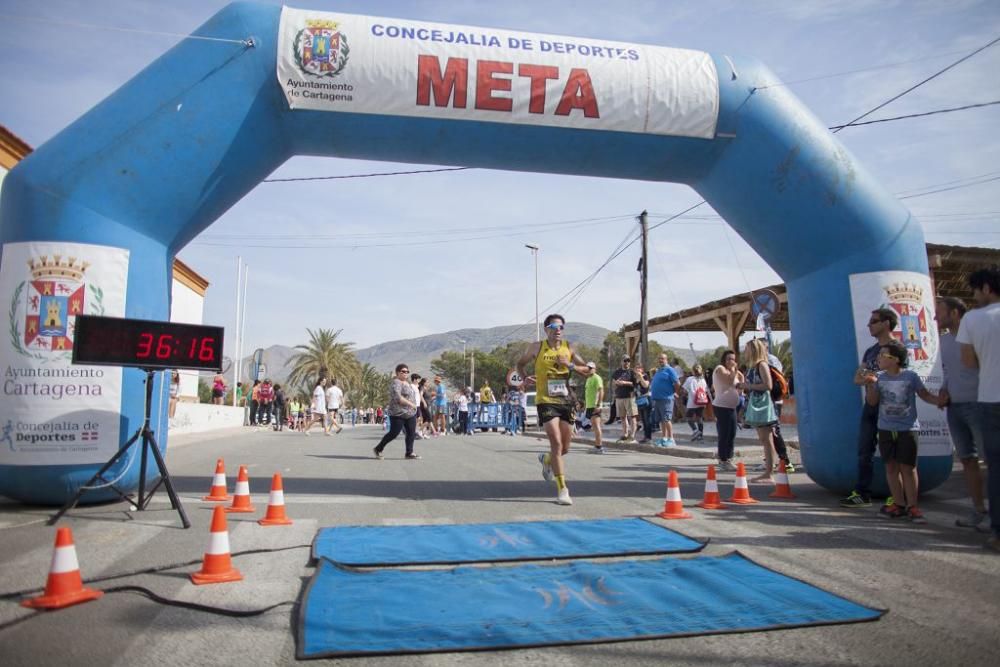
x: 554, y: 360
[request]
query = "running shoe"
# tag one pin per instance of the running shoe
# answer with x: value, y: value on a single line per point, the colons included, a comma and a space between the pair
x: 975, y: 519
x: 789, y: 467
x: 339, y: 429
x: 727, y: 465
x: 894, y: 512
x: 916, y: 516
x: 669, y: 442
x: 546, y: 468
x: 377, y: 453
x: 597, y: 450
x: 411, y: 455
x: 694, y: 436
x: 563, y: 497
x: 856, y: 500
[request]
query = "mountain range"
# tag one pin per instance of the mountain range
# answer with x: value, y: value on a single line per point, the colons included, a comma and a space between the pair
x: 419, y: 352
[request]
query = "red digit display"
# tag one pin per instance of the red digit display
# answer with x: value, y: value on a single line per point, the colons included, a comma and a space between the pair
x: 114, y: 341
x: 145, y: 347
x: 163, y: 349
x: 206, y: 352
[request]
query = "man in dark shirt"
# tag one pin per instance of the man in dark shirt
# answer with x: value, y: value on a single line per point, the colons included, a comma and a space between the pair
x: 880, y: 326
x: 624, y: 381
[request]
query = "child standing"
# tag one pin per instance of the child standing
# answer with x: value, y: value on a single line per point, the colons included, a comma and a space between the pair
x: 894, y: 390
x: 513, y: 410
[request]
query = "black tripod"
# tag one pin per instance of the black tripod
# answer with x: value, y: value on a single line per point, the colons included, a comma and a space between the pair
x: 148, y: 443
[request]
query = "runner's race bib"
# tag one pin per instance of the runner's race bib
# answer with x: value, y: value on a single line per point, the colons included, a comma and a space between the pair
x: 558, y: 388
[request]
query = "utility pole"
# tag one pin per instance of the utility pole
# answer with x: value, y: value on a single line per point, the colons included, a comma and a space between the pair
x: 236, y: 338
x: 534, y: 252
x: 643, y: 283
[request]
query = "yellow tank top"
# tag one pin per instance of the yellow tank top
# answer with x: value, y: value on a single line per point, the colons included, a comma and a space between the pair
x: 551, y: 377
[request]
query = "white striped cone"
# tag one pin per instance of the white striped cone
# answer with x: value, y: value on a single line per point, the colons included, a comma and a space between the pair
x: 218, y: 490
x: 241, y: 494
x: 711, y: 501
x: 64, y: 585
x: 673, y: 508
x: 782, y: 489
x: 217, y: 566
x: 276, y: 505
x: 741, y: 490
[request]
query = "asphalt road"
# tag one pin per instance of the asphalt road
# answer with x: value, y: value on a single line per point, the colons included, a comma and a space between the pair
x: 941, y: 587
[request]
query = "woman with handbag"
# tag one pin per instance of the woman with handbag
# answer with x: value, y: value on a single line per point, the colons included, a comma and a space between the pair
x: 760, y: 412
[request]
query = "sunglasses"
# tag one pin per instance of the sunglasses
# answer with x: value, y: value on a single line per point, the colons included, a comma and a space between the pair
x: 404, y: 371
x: 555, y: 327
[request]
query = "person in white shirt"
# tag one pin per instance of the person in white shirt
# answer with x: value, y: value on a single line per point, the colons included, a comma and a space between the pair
x: 979, y: 336
x: 317, y: 409
x: 334, y: 397
x: 696, y: 390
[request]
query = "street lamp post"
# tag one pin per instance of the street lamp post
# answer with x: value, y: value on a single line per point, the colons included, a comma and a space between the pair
x: 534, y: 252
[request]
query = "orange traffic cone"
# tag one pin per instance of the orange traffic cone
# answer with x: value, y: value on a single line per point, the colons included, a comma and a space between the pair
x: 64, y: 586
x: 217, y: 567
x: 741, y: 492
x: 276, y: 505
x: 782, y: 489
x: 241, y: 494
x: 673, y: 508
x: 218, y: 490
x: 712, y: 500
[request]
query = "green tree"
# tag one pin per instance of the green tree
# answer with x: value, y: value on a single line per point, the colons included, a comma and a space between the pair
x: 371, y: 388
x: 453, y: 367
x: 324, y: 356
x: 204, y: 392
x: 710, y: 360
x: 783, y: 351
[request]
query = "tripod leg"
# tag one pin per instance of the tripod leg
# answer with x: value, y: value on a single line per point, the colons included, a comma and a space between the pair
x: 165, y: 477
x: 71, y: 503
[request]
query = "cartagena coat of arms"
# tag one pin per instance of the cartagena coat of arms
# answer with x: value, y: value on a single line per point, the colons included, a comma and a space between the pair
x: 321, y: 49
x: 52, y: 298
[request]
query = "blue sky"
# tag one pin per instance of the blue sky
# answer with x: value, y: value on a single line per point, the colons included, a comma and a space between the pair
x: 56, y: 63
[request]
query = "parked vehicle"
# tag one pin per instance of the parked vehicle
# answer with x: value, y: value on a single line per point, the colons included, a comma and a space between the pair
x: 531, y: 411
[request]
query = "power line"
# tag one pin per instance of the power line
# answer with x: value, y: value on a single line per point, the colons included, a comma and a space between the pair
x: 859, y: 71
x: 93, y: 26
x: 384, y: 173
x: 954, y: 187
x: 416, y: 232
x: 407, y: 243
x: 916, y: 115
x: 917, y: 85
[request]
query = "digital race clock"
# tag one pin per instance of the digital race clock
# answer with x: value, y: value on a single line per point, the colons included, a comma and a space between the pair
x: 116, y: 341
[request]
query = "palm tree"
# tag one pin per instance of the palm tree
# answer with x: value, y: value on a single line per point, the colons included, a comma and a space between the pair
x: 324, y: 356
x: 783, y: 351
x: 371, y: 389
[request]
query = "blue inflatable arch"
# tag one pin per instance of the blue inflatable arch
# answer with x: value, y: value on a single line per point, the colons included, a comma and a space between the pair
x: 158, y: 161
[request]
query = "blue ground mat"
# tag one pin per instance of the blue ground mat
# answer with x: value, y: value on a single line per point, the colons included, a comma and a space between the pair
x: 496, y: 542
x: 347, y: 612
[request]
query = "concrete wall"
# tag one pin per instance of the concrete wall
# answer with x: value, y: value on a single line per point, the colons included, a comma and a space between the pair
x: 201, y: 417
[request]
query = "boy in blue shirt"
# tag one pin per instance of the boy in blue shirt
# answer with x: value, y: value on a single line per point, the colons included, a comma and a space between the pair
x: 894, y: 390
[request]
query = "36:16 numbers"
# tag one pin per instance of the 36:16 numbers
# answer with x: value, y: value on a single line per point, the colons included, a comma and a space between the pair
x: 166, y: 346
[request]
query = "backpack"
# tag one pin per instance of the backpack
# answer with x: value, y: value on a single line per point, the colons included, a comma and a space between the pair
x: 779, y: 385
x: 700, y: 396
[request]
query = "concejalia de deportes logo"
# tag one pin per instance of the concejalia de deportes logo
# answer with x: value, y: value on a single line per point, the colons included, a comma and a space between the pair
x: 320, y: 49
